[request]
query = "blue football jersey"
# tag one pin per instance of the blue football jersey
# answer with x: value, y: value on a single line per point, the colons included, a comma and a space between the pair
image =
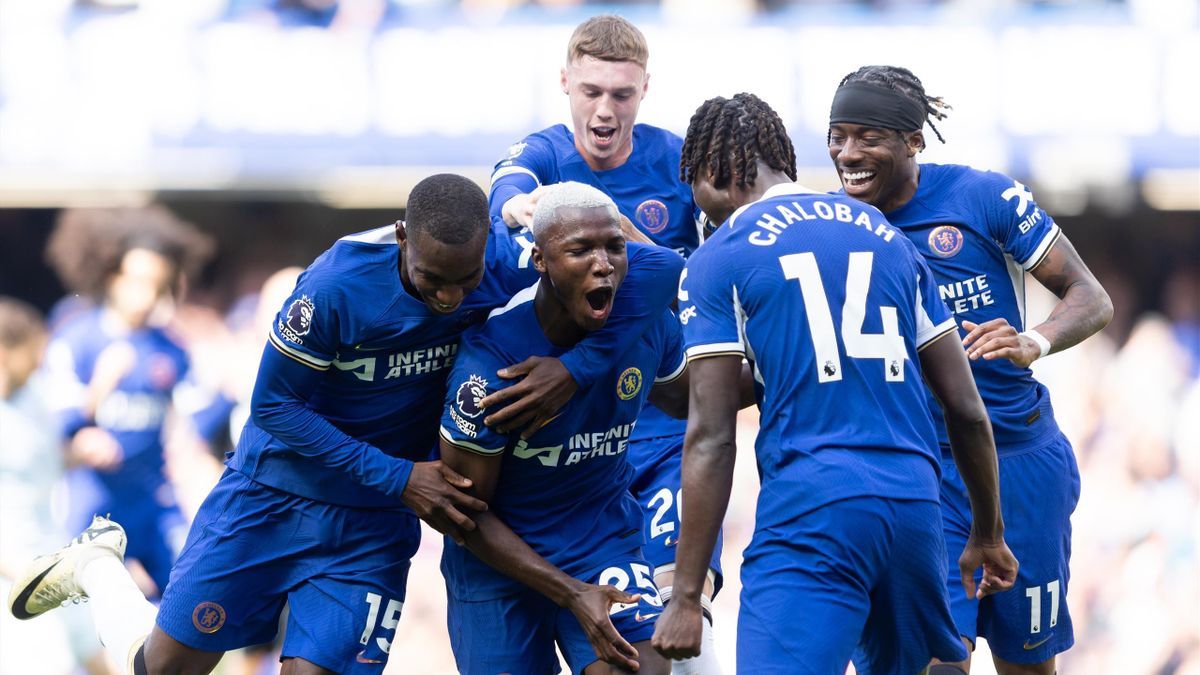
x: 384, y: 353
x: 646, y: 189
x: 136, y: 410
x: 980, y: 232
x: 830, y: 304
x: 565, y: 490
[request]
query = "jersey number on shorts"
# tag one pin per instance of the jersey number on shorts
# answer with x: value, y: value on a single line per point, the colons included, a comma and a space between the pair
x: 617, y: 576
x: 1035, y: 605
x: 391, y: 617
x: 657, y: 526
x: 888, y: 345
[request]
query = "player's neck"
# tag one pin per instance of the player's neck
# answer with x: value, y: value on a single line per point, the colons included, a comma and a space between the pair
x: 767, y: 178
x: 608, y: 163
x: 552, y: 316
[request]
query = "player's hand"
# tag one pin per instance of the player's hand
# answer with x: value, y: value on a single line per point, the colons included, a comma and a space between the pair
x: 590, y: 605
x: 435, y: 493
x: 999, y: 567
x: 95, y: 447
x: 518, y: 210
x: 531, y: 403
x: 998, y: 339
x: 678, y: 632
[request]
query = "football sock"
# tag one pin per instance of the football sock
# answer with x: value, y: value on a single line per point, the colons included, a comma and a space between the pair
x: 123, y: 615
x: 706, y: 663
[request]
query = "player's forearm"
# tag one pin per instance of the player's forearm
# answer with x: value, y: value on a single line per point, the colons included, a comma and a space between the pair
x: 1084, y: 307
x: 648, y: 289
x: 975, y: 456
x: 498, y: 546
x: 707, y: 478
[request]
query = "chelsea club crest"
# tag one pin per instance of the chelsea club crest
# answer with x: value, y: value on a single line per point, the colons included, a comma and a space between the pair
x: 629, y: 383
x: 652, y: 216
x: 945, y: 241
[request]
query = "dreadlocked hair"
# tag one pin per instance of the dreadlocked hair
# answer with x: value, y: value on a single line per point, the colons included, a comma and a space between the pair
x: 728, y: 136
x: 902, y: 81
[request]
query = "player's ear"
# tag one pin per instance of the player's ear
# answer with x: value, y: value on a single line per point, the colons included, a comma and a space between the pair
x: 401, y: 234
x: 539, y: 260
x: 562, y: 79
x: 915, y: 140
x: 645, y: 85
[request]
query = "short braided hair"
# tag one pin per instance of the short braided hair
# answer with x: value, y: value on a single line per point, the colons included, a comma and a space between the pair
x: 728, y: 136
x: 905, y: 83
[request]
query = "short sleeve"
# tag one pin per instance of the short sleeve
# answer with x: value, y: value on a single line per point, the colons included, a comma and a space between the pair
x: 933, y: 318
x: 306, y: 327
x: 1023, y: 229
x: 673, y: 359
x: 709, y: 309
x: 471, y: 380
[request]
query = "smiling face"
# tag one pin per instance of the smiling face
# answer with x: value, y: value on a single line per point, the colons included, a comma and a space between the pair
x: 440, y: 274
x: 583, y: 256
x: 605, y: 97
x: 877, y: 166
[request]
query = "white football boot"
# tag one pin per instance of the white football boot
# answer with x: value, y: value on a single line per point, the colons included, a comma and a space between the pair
x: 49, y: 581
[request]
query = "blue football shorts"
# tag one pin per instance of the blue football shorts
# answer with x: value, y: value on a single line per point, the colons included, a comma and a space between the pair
x: 1038, y: 492
x: 859, y: 578
x: 342, y: 572
x: 657, y: 488
x: 517, y: 633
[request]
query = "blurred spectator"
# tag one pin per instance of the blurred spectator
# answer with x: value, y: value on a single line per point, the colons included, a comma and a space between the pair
x: 116, y: 368
x: 30, y: 465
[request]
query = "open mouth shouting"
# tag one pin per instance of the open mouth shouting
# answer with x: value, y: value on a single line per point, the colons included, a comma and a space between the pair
x: 603, y: 136
x: 599, y: 302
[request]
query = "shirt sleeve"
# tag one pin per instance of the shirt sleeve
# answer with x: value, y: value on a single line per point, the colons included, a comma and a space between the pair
x: 933, y: 318
x: 306, y: 328
x: 471, y: 380
x: 674, y: 361
x: 648, y: 289
x: 710, y: 310
x: 62, y: 372
x: 1023, y: 229
x: 526, y: 166
x: 279, y: 407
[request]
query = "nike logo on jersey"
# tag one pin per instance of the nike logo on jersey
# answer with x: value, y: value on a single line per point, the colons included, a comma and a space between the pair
x: 639, y: 617
x: 1030, y: 647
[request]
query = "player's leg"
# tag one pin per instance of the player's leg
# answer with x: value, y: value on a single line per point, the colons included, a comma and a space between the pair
x: 805, y: 590
x: 656, y: 486
x: 1027, y: 626
x: 509, y: 634
x: 342, y: 616
x: 629, y: 572
x: 956, y: 528
x: 302, y: 667
x: 910, y: 621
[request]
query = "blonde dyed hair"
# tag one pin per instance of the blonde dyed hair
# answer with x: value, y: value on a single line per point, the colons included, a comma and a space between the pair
x: 608, y: 38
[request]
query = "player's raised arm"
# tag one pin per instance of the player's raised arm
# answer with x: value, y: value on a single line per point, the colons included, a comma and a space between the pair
x: 549, y: 383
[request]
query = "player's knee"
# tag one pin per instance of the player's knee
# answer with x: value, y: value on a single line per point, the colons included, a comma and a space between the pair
x: 162, y: 654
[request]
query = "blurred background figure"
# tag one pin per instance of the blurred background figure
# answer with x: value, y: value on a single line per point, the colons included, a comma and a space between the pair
x: 115, y: 369
x: 31, y: 462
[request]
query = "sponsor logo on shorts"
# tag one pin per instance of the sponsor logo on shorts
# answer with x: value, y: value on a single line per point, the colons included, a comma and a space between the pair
x: 652, y: 215
x: 945, y: 241
x: 208, y: 617
x: 1035, y: 645
x: 629, y: 383
x: 361, y: 657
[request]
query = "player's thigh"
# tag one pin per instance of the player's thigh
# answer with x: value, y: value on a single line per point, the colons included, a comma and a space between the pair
x: 1003, y: 667
x: 162, y: 654
x: 231, y: 580
x: 343, y: 617
x: 509, y: 634
x: 302, y: 667
x: 909, y: 622
x: 1031, y: 623
x: 657, y: 488
x: 649, y: 663
x: 806, y: 589
x: 629, y: 572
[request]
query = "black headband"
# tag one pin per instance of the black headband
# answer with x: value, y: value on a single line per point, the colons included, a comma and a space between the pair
x: 873, y: 105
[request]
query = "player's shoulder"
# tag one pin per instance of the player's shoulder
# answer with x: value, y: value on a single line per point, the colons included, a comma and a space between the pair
x: 958, y: 181
x: 80, y: 328
x: 506, y: 332
x: 657, y: 138
x: 356, y: 258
